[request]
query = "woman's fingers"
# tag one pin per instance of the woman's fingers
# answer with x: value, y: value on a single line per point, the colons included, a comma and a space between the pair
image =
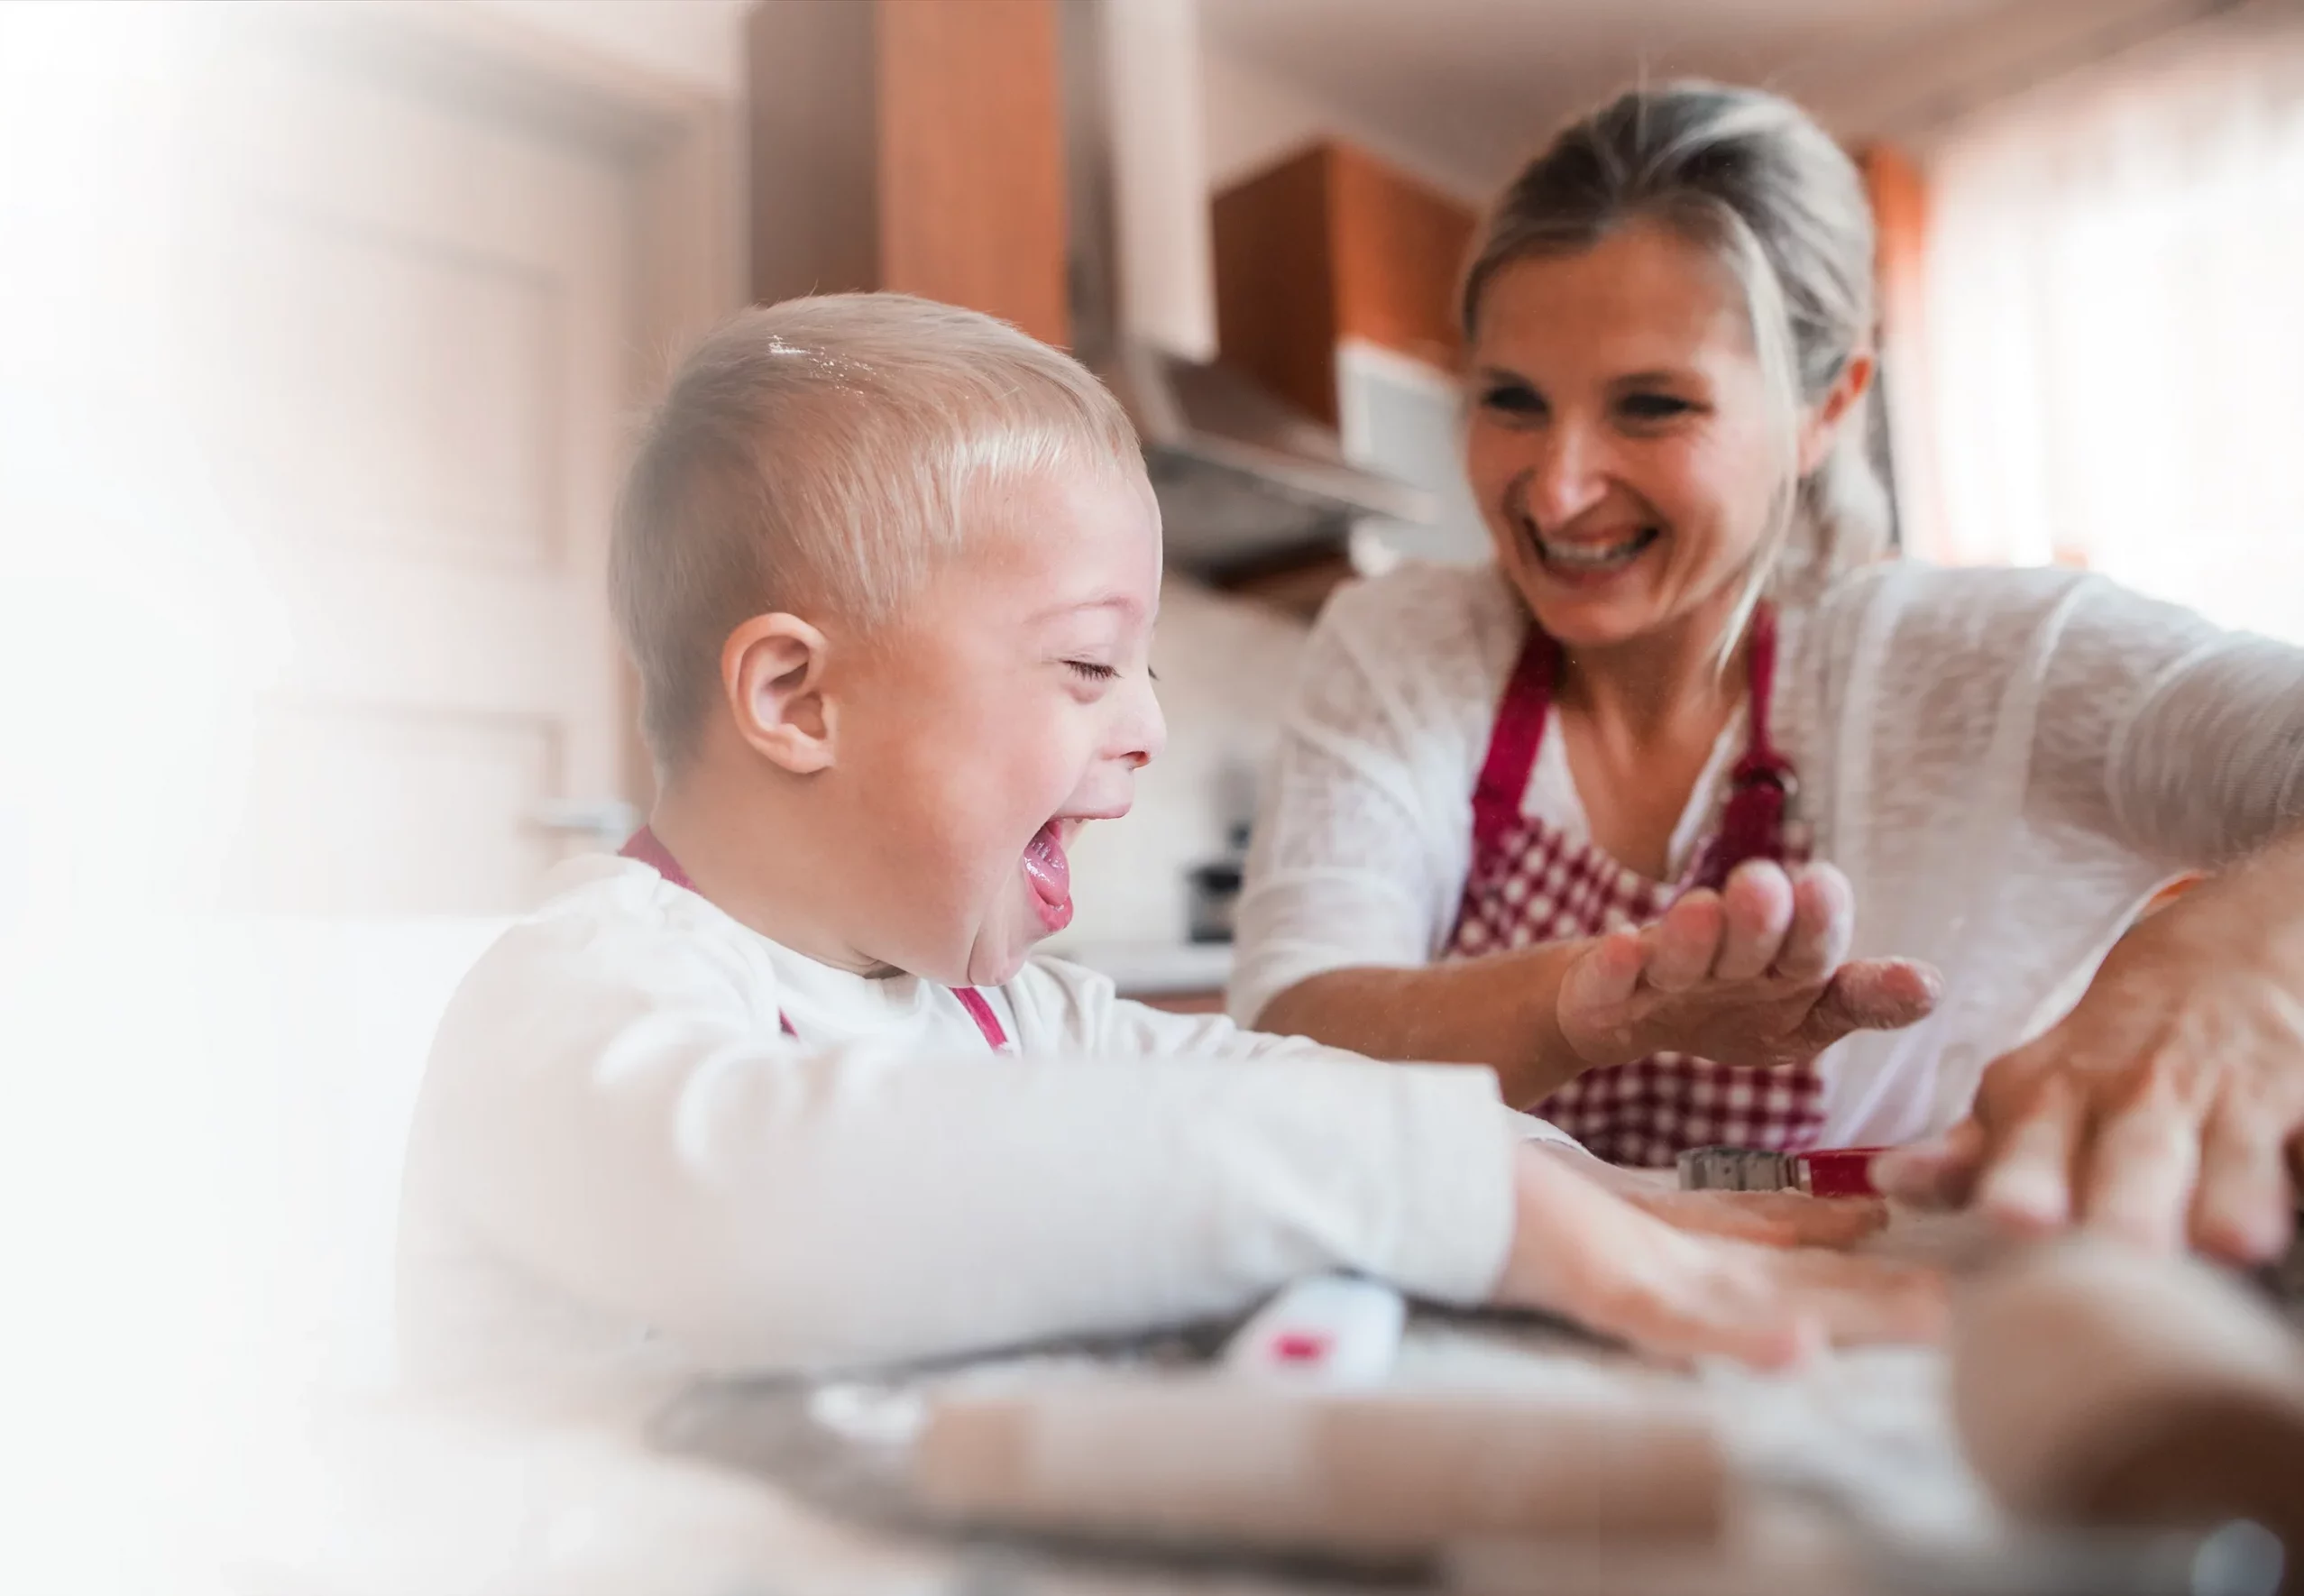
x: 1938, y: 1174
x: 1756, y: 911
x: 1872, y: 995
x: 1596, y: 1007
x: 2026, y: 1182
x: 1682, y: 945
x: 1610, y: 973
x: 1823, y: 924
x: 2243, y: 1208
x: 2140, y: 1164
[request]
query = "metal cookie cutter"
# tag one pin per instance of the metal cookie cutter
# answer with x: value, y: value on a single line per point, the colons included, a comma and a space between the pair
x: 1838, y: 1171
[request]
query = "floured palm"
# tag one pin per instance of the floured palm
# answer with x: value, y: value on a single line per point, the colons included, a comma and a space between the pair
x: 1756, y: 974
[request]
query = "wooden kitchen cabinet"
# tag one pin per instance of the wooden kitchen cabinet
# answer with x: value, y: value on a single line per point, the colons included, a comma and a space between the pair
x: 1333, y: 245
x: 1335, y: 286
x: 911, y: 145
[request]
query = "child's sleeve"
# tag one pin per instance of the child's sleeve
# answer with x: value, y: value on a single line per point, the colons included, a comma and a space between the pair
x: 631, y: 1130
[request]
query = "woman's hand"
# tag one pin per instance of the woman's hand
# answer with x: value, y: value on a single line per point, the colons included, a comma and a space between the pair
x: 1580, y: 1249
x: 1753, y: 975
x: 2168, y: 1106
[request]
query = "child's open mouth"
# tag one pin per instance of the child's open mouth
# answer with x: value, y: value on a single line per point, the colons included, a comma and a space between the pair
x: 1050, y: 874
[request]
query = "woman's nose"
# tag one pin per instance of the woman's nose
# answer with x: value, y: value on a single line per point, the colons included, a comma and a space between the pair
x: 1567, y: 476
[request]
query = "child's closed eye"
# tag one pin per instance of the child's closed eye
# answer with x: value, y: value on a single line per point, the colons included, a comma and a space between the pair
x: 1089, y: 670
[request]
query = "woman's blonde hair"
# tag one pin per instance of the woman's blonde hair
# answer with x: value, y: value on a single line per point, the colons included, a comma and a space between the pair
x: 1750, y: 177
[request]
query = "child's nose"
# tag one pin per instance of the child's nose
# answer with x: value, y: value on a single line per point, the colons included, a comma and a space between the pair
x: 1143, y: 731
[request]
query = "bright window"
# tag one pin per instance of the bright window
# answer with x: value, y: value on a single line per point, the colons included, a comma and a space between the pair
x: 2113, y: 327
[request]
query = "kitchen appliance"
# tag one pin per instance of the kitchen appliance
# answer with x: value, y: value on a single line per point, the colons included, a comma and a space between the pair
x: 1244, y: 480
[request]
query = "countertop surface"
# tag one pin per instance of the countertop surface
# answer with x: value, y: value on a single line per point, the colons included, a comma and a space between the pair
x: 390, y: 1497
x: 1156, y: 969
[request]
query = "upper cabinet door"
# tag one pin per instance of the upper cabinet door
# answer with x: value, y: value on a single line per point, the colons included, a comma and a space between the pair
x: 911, y: 145
x: 1329, y: 246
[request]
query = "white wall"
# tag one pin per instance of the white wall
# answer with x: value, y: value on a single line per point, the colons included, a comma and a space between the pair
x: 1226, y: 667
x: 699, y: 42
x: 1255, y: 116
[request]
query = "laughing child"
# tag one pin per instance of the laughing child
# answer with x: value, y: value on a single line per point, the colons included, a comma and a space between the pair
x: 784, y: 1087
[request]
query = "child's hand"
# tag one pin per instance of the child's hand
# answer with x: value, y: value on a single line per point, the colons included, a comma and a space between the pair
x: 1580, y: 1250
x: 1752, y: 974
x: 1767, y: 1218
x: 1770, y: 1218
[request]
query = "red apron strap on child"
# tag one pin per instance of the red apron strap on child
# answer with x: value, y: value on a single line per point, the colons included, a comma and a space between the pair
x: 1512, y: 745
x: 643, y: 846
x: 979, y: 1009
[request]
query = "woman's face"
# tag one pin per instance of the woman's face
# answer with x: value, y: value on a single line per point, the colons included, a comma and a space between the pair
x: 1620, y: 444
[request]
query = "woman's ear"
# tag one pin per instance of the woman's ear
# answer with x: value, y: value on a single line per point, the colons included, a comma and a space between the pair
x: 772, y: 669
x: 1820, y: 429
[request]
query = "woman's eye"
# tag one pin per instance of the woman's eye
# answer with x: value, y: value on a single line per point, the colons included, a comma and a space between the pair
x: 1088, y: 670
x: 1655, y: 406
x: 1511, y: 399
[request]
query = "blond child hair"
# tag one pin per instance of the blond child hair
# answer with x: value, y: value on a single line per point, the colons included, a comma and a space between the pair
x: 823, y: 455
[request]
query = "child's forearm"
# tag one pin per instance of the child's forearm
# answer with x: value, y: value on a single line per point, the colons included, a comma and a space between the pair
x: 773, y: 1211
x: 1501, y: 1011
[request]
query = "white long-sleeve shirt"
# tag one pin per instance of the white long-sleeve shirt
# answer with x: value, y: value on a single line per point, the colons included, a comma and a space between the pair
x: 623, y: 1170
x: 2006, y: 764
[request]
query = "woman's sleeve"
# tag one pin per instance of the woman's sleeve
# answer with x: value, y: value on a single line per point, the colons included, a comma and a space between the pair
x: 1082, y: 1008
x: 2159, y: 729
x: 1363, y: 837
x: 626, y: 1128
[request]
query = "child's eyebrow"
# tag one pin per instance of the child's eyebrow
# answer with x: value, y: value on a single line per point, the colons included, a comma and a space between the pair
x: 1125, y: 603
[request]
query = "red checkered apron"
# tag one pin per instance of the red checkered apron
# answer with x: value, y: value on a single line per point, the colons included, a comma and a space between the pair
x: 1531, y: 881
x: 643, y: 846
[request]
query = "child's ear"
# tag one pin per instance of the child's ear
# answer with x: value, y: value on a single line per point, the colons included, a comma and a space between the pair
x: 771, y: 668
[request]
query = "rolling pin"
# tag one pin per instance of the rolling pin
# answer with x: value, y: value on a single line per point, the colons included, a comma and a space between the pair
x: 1389, y: 1472
x: 2095, y: 1386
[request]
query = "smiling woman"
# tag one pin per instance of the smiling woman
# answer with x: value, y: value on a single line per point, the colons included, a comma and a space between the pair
x: 1628, y: 786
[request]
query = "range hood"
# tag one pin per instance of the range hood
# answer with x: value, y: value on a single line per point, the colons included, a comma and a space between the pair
x: 1244, y: 479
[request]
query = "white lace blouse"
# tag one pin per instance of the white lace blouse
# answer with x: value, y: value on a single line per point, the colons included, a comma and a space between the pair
x: 2006, y: 764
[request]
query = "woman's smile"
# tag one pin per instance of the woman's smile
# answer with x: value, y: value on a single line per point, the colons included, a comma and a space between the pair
x: 1586, y: 559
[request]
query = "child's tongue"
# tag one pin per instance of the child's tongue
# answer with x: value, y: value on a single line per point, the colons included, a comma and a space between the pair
x: 1050, y: 874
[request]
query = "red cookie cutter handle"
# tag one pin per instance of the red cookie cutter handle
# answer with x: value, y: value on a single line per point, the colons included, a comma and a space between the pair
x: 1839, y: 1171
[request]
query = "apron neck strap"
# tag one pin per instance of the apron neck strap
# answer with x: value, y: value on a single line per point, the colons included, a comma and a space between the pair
x: 1753, y: 824
x: 642, y: 845
x: 1518, y: 733
x: 1760, y: 750
x: 1760, y: 789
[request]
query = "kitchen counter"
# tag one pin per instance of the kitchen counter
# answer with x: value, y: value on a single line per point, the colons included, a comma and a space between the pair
x: 1147, y: 970
x: 401, y: 1499
x: 770, y: 1485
